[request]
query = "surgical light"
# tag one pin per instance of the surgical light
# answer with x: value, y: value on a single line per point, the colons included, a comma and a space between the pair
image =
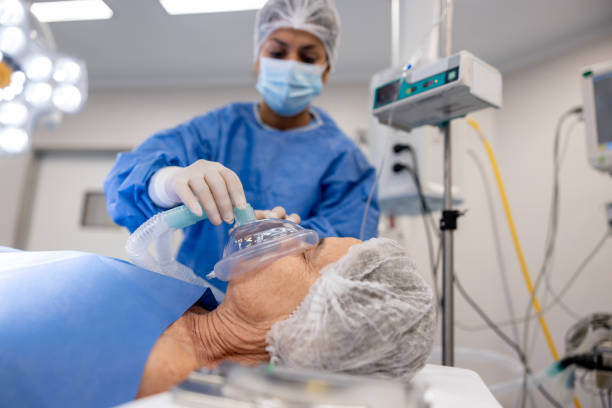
x: 75, y: 10
x: 38, y: 68
x: 174, y: 7
x: 67, y: 98
x: 13, y: 114
x: 66, y: 70
x: 12, y: 40
x: 38, y: 94
x: 14, y: 88
x: 36, y: 82
x: 13, y: 140
x: 11, y: 12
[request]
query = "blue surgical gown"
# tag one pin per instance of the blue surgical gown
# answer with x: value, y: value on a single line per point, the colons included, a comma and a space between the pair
x: 315, y: 171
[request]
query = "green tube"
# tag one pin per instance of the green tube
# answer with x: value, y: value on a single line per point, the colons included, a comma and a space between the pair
x: 245, y: 216
x: 181, y: 217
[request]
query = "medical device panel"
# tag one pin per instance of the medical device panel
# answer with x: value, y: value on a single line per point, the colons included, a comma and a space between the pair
x: 597, y: 98
x: 449, y: 88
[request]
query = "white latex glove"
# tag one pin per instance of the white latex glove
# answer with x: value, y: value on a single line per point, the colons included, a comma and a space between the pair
x: 277, y: 212
x: 210, y: 183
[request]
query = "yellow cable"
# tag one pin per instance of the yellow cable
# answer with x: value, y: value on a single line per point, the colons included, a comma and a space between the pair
x: 517, y: 244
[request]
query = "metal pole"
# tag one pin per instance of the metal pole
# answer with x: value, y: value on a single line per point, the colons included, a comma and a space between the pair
x: 395, y: 34
x: 447, y: 226
x: 448, y: 337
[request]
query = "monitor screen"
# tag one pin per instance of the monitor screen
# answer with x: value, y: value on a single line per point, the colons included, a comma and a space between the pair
x: 387, y: 94
x: 602, y: 87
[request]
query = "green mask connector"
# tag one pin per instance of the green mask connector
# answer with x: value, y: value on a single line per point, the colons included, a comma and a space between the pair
x: 245, y: 216
x: 180, y: 217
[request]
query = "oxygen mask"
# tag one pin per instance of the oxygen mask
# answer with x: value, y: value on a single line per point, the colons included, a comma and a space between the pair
x: 259, y: 243
x: 252, y: 244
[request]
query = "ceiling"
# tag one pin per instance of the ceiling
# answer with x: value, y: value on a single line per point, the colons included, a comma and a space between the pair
x: 143, y: 46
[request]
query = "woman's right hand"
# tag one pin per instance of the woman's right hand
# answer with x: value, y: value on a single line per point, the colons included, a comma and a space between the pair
x: 213, y: 185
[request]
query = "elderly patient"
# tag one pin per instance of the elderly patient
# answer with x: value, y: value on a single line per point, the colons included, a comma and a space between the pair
x: 343, y: 306
x: 75, y: 328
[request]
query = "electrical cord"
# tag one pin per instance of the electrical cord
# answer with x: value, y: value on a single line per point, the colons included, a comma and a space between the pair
x: 553, y: 222
x: 427, y: 212
x: 518, y: 249
x: 522, y: 357
x: 566, y: 287
x: 418, y: 53
x: 557, y: 297
x: 497, y: 242
x: 398, y: 167
x: 376, y: 181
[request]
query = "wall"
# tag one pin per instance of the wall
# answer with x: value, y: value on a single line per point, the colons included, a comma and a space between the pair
x: 121, y: 118
x: 13, y: 175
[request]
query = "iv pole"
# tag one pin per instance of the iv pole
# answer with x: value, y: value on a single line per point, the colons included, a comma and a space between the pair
x: 402, y: 46
x: 448, y: 222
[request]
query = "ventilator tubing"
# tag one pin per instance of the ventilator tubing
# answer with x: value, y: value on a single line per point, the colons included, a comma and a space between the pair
x: 559, y: 380
x: 158, y: 230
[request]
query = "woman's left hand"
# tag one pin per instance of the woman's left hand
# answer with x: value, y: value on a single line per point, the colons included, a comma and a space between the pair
x: 277, y: 212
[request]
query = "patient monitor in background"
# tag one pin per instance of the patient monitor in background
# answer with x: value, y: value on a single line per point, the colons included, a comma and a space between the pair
x: 597, y: 98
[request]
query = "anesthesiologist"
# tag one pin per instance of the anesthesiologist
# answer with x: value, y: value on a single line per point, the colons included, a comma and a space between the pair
x: 279, y: 152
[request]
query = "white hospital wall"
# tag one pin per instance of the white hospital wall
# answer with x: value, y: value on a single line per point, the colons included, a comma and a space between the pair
x: 122, y: 118
x: 13, y: 173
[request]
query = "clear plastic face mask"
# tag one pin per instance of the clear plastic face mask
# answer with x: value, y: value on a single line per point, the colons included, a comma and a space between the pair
x: 259, y: 243
x: 251, y: 245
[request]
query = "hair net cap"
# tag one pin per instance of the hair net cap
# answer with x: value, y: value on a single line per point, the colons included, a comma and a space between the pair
x: 318, y: 17
x: 370, y: 313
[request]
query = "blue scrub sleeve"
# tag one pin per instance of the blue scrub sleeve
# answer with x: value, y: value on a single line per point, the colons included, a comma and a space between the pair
x: 126, y: 186
x: 345, y: 190
x: 76, y: 329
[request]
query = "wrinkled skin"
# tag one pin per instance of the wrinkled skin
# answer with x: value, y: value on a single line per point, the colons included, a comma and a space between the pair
x: 237, y: 329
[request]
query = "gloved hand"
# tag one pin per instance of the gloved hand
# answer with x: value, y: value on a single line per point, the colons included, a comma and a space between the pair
x: 210, y: 183
x: 277, y: 212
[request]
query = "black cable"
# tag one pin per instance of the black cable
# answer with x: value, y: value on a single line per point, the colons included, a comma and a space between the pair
x: 521, y: 355
x: 398, y: 148
x: 425, y: 206
x: 425, y: 212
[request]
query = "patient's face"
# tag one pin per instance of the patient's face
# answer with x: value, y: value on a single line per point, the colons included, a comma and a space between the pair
x: 253, y: 303
x: 272, y: 293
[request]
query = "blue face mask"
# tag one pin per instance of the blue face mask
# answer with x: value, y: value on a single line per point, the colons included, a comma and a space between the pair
x: 288, y: 86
